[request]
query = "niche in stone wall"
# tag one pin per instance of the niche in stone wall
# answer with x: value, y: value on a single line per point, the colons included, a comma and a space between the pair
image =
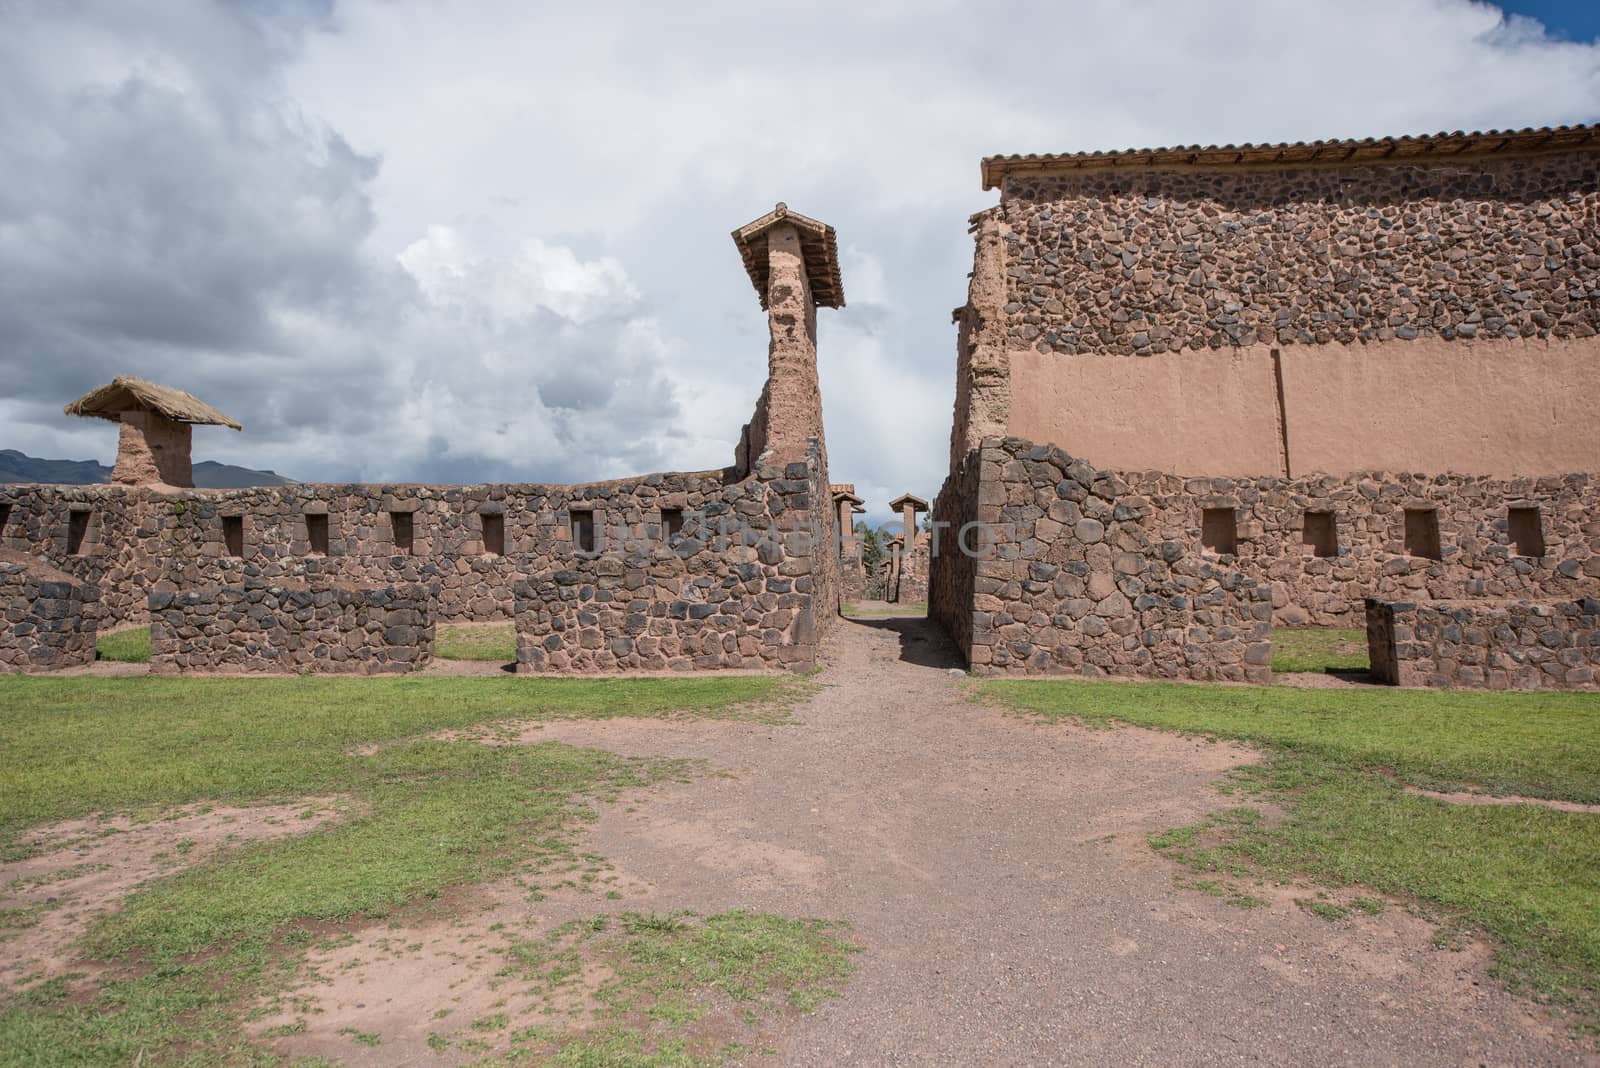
x: 1219, y: 530
x: 1320, y: 534
x: 317, y: 533
x: 5, y: 517
x: 77, y: 529
x: 671, y: 523
x: 233, y: 534
x: 494, y: 533
x: 583, y: 539
x: 1526, y: 530
x: 1422, y: 533
x: 404, y: 530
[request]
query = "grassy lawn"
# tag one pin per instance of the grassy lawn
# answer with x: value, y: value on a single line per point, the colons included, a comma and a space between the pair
x: 1337, y: 762
x: 131, y: 646
x: 189, y: 951
x: 1319, y: 649
x: 476, y: 641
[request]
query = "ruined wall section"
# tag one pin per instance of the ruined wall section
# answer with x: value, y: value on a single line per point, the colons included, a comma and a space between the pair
x: 292, y: 629
x: 1315, y: 580
x: 983, y: 372
x: 47, y: 617
x: 952, y: 574
x: 1506, y: 645
x: 1138, y: 262
x: 1069, y: 577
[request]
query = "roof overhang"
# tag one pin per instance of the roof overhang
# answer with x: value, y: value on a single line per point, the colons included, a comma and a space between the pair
x: 818, y: 245
x: 899, y: 503
x: 1430, y: 148
x: 128, y: 394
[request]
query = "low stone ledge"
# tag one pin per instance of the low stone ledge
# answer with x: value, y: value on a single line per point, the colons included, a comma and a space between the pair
x: 288, y: 628
x: 48, y: 618
x: 1486, y: 645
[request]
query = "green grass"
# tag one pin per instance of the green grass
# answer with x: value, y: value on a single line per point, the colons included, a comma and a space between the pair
x: 131, y: 646
x: 666, y: 973
x: 75, y: 746
x: 1337, y: 764
x: 188, y: 952
x: 1319, y: 649
x: 476, y: 641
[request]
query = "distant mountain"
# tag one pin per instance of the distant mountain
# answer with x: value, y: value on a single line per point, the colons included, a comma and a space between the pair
x: 208, y: 474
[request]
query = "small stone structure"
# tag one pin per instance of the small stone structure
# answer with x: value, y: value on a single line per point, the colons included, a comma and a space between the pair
x: 281, y: 628
x: 1484, y: 644
x: 49, y: 616
x: 156, y: 429
x: 852, y: 569
x: 910, y: 583
x: 1055, y: 568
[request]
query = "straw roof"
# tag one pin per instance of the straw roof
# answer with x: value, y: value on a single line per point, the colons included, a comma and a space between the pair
x: 817, y: 243
x: 1428, y: 148
x: 126, y: 394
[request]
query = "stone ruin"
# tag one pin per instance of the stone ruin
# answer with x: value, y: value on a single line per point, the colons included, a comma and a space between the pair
x: 1372, y: 363
x: 733, y: 568
x: 49, y: 616
x: 1199, y: 392
x: 1486, y: 644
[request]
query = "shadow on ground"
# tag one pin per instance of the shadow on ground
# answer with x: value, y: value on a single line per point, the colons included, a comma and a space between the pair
x: 922, y: 641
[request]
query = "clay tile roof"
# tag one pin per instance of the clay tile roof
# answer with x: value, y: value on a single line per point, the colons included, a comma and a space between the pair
x: 905, y: 498
x: 817, y: 243
x: 126, y: 394
x: 846, y: 492
x: 1425, y: 148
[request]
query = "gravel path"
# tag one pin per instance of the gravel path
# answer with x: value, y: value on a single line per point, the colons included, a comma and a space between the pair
x: 997, y: 875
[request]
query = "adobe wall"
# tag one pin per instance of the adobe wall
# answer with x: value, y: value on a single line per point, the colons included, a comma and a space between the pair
x: 1506, y: 645
x: 153, y: 449
x: 292, y: 628
x: 1060, y: 569
x: 47, y: 617
x: 1426, y: 316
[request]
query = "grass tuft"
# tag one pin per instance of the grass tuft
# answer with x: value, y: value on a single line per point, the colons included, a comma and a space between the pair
x: 476, y: 641
x: 130, y: 646
x: 1320, y: 649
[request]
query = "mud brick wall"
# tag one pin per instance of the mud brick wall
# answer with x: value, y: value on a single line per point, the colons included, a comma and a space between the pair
x: 742, y: 585
x: 265, y: 627
x: 1140, y: 262
x: 1496, y: 645
x: 47, y: 617
x: 1075, y: 580
x: 1478, y: 556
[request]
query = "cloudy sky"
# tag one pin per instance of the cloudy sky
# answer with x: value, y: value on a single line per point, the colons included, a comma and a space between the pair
x: 489, y: 241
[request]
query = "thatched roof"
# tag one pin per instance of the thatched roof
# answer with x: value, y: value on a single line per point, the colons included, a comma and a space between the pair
x: 126, y: 394
x: 817, y: 244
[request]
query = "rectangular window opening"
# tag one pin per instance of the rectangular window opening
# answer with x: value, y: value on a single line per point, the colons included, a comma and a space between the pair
x: 404, y: 530
x: 494, y: 534
x: 1320, y: 534
x: 1422, y: 533
x: 1526, y: 530
x: 5, y: 517
x: 317, y: 533
x: 233, y: 534
x: 671, y: 523
x: 583, y: 531
x: 1219, y: 530
x: 77, y: 528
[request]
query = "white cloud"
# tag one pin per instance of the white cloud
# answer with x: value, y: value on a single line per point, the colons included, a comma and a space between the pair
x: 491, y: 240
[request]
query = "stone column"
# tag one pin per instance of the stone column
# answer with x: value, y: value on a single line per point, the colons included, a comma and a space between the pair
x: 153, y: 449
x: 794, y: 395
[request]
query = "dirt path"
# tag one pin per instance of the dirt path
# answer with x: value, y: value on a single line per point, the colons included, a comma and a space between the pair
x: 997, y: 874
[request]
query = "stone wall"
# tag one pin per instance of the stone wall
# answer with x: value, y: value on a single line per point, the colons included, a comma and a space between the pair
x: 1496, y: 645
x: 1067, y: 574
x: 47, y: 617
x: 292, y: 628
x: 1142, y: 261
x: 1477, y: 553
x: 743, y: 585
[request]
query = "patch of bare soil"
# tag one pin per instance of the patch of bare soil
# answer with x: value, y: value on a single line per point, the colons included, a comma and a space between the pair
x: 85, y: 867
x: 1324, y: 680
x: 1464, y: 798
